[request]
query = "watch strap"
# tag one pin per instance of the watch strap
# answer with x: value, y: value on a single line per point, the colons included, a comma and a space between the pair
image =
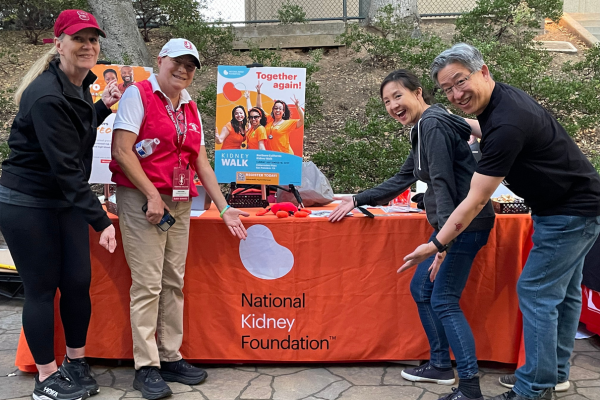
x: 441, y: 247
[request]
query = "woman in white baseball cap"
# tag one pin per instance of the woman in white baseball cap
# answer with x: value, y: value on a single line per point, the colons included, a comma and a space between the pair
x: 157, y: 178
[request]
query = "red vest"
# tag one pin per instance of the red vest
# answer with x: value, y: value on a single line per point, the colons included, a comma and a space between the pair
x: 159, y: 165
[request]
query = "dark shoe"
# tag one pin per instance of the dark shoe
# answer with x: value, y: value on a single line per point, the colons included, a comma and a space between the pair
x: 57, y: 387
x: 78, y: 371
x: 151, y: 384
x: 457, y: 395
x: 427, y: 373
x: 510, y: 380
x: 511, y: 395
x: 183, y: 372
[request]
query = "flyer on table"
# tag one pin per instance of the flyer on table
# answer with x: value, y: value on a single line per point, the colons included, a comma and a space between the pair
x: 250, y: 149
x: 125, y: 76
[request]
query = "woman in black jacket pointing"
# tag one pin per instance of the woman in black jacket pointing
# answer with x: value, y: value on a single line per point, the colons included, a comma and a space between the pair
x: 46, y: 203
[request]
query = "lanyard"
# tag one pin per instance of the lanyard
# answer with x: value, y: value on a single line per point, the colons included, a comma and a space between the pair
x: 175, y: 121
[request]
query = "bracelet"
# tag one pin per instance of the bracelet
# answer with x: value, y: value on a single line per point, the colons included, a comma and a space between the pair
x: 354, y: 201
x: 227, y: 207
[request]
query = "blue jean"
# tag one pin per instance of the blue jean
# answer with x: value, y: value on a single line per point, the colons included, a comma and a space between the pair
x: 549, y: 292
x: 437, y: 302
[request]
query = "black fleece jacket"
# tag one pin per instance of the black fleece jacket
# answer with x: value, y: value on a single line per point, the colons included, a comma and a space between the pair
x: 51, y: 143
x: 440, y: 157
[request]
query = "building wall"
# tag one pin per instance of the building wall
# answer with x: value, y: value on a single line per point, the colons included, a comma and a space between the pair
x: 582, y: 6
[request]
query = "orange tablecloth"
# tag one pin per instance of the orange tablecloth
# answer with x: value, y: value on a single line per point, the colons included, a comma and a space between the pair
x: 353, y: 304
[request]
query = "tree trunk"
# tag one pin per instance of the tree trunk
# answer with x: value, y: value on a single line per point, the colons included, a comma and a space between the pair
x: 404, y: 9
x: 124, y: 43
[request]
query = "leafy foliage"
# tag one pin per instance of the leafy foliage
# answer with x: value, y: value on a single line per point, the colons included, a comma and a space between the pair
x: 153, y: 13
x: 35, y: 16
x: 364, y: 153
x: 394, y: 46
x: 8, y: 110
x: 212, y: 41
x: 290, y: 13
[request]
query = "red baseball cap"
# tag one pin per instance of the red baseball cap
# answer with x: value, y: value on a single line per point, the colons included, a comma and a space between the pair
x: 72, y: 21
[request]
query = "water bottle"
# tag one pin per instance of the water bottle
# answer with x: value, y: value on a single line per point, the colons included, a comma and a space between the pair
x: 146, y: 147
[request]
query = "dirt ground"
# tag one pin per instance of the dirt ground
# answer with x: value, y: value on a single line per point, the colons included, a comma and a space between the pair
x: 345, y: 84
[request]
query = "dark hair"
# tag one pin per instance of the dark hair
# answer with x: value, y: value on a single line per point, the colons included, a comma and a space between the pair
x: 286, y: 110
x: 260, y: 111
x: 109, y: 70
x: 408, y: 80
x: 237, y: 126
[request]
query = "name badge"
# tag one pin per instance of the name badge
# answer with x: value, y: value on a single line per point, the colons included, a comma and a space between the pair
x: 181, y: 184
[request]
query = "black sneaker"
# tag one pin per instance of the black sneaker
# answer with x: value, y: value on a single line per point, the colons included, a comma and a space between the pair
x: 148, y: 381
x: 78, y: 371
x: 509, y: 381
x: 457, y: 395
x: 57, y: 387
x: 183, y: 372
x: 427, y: 373
x: 546, y: 395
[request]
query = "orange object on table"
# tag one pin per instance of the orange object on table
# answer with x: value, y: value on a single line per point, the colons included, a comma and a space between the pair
x: 341, y: 301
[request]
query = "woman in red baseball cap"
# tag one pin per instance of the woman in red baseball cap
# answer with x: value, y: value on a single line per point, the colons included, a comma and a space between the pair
x: 46, y: 203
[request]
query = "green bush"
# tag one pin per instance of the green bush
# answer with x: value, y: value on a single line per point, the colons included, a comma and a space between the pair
x: 35, y: 16
x: 211, y: 40
x: 394, y: 46
x: 364, y: 153
x: 290, y: 13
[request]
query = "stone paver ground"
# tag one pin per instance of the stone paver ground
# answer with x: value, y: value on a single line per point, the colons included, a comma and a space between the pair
x: 364, y: 381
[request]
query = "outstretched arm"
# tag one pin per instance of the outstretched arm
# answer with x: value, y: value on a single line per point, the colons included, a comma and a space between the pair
x: 258, y: 96
x: 300, y: 111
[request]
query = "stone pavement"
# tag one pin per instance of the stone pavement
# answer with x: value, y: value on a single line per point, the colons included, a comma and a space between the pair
x: 373, y: 381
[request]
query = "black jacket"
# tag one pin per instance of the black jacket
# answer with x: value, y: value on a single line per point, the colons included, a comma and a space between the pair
x: 440, y: 157
x: 51, y: 143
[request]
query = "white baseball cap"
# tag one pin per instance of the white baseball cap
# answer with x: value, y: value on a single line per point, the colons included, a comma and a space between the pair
x: 179, y: 47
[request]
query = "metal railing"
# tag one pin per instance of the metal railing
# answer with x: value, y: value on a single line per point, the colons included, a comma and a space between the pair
x: 266, y: 11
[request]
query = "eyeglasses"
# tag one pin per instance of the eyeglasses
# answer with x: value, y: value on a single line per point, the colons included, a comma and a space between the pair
x: 254, y: 117
x: 189, y: 67
x: 459, y: 84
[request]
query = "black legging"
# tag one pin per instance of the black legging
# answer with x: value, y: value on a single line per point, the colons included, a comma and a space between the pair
x: 50, y: 247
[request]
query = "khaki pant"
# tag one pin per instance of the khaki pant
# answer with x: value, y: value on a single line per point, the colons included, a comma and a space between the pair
x: 157, y: 263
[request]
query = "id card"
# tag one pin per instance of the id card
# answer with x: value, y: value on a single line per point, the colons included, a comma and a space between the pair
x: 181, y: 184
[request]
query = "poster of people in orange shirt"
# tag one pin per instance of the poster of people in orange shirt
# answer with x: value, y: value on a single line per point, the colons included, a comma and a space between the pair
x: 125, y: 76
x: 259, y: 129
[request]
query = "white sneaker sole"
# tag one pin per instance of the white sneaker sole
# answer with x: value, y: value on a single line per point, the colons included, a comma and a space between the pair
x: 560, y: 387
x: 43, y: 397
x: 413, y: 378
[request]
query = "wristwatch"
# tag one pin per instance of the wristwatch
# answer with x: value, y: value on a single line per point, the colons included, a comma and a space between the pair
x: 441, y: 247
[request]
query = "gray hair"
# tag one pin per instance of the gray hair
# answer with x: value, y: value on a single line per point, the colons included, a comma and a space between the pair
x: 462, y: 53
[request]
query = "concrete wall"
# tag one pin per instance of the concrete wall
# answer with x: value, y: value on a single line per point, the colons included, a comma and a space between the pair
x: 582, y: 6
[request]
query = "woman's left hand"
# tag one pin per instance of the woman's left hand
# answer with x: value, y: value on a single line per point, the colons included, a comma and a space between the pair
x: 296, y: 101
x: 107, y: 239
x: 232, y: 220
x: 111, y: 94
x: 420, y: 254
x: 435, y: 265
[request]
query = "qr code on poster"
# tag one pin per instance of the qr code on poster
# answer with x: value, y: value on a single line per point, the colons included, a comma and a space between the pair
x: 241, y: 177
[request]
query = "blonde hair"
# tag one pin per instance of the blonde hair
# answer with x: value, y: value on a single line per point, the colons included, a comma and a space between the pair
x: 36, y: 70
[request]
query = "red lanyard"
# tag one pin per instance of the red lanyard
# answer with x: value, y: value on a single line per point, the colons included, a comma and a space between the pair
x: 176, y: 122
